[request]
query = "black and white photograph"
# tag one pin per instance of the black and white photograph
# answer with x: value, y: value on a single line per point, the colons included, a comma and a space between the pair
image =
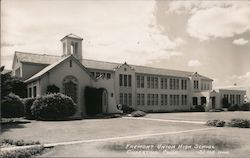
x: 125, y: 78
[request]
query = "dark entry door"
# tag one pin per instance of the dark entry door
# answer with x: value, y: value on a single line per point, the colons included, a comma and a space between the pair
x: 93, y: 100
x: 213, y: 102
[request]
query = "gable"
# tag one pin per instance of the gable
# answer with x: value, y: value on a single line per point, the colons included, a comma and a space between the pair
x: 58, y: 64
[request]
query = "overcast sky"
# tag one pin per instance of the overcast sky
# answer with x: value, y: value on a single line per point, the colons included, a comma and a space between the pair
x: 209, y: 37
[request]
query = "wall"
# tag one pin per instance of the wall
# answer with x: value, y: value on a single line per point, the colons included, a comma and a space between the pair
x: 57, y: 75
x: 30, y: 69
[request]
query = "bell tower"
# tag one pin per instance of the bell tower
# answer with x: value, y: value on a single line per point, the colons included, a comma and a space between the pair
x: 72, y: 45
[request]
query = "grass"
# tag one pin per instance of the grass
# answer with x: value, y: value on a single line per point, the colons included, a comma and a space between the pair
x: 22, y: 153
x: 183, y: 143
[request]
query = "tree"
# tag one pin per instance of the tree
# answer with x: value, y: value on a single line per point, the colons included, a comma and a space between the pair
x: 12, y: 84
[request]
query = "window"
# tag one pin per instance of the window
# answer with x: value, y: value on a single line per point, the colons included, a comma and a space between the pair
x: 125, y: 99
x: 166, y: 83
x: 103, y: 75
x: 195, y: 101
x: 177, y: 100
x: 196, y: 84
x: 108, y: 76
x: 165, y: 99
x: 34, y: 91
x: 129, y: 80
x: 171, y: 83
x: 130, y: 99
x: 153, y: 99
x: 148, y: 99
x: 156, y: 99
x: 184, y: 84
x: 138, y: 81
x: 97, y: 74
x: 138, y: 99
x: 156, y: 82
x: 162, y: 99
x: 142, y: 99
x: 121, y: 98
x: 120, y: 80
x: 70, y: 63
x: 125, y: 80
x: 161, y: 83
x: 152, y: 82
x: 171, y: 99
x: 148, y: 82
x: 142, y: 81
x: 30, y: 92
x: 177, y: 83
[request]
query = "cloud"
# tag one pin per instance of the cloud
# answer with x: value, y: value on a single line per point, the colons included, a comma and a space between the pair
x: 240, y: 41
x: 214, y: 19
x: 242, y: 77
x: 219, y: 22
x: 108, y: 29
x: 193, y: 63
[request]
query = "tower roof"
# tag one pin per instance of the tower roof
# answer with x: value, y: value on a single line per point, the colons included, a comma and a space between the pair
x: 72, y: 36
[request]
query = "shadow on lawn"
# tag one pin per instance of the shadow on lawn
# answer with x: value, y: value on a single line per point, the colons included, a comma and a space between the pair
x: 8, y: 126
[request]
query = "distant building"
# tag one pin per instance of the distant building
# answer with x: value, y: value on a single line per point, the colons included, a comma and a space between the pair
x: 141, y: 87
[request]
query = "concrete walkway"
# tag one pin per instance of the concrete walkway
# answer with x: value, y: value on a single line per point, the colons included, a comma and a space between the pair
x: 165, y: 120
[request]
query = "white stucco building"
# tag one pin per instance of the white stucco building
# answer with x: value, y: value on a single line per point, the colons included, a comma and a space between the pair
x: 144, y: 88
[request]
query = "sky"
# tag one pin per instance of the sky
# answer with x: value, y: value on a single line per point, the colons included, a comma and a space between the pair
x: 208, y: 37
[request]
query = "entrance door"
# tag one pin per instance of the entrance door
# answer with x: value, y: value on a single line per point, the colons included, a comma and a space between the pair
x: 213, y: 102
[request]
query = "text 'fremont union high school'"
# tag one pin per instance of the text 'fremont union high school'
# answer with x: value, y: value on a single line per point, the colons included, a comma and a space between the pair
x: 144, y: 88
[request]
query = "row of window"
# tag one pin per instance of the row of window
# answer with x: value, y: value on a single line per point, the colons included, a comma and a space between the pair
x: 103, y: 74
x: 205, y: 86
x: 153, y: 99
x: 233, y: 98
x: 126, y: 99
x: 125, y: 80
x: 152, y: 82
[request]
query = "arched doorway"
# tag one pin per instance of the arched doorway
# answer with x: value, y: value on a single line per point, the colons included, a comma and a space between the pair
x: 70, y: 87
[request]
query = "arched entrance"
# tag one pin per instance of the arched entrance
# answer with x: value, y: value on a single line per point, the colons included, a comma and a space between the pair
x: 70, y: 87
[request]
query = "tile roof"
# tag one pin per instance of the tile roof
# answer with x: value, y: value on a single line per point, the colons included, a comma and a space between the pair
x: 102, y: 65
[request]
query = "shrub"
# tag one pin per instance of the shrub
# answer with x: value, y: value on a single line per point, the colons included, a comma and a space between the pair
x: 52, y: 89
x: 198, y: 108
x: 28, y: 102
x: 22, y: 152
x: 18, y: 142
x: 215, y: 123
x: 12, y: 106
x: 53, y: 106
x: 245, y: 107
x: 234, y: 107
x: 138, y: 113
x: 241, y: 123
x: 127, y: 110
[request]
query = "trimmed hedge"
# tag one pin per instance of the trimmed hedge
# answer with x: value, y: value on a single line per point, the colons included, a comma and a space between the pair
x: 53, y: 106
x: 127, y: 110
x: 12, y: 106
x: 215, y: 123
x: 52, y: 89
x: 234, y: 108
x: 241, y: 123
x: 28, y: 102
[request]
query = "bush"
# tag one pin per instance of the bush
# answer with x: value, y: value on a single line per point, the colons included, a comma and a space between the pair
x: 52, y: 89
x: 245, y: 107
x: 198, y: 108
x: 18, y: 142
x: 28, y: 102
x: 215, y: 123
x: 241, y: 123
x: 12, y: 106
x: 127, y: 110
x: 138, y: 113
x: 22, y: 152
x: 53, y: 106
x: 234, y: 108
